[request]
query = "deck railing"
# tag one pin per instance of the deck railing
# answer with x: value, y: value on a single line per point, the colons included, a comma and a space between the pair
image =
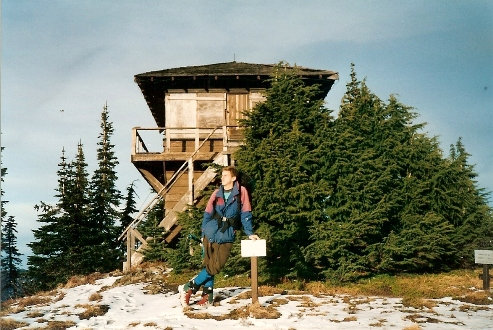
x: 158, y: 139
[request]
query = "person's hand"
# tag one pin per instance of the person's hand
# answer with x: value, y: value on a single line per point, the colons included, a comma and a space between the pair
x: 253, y: 237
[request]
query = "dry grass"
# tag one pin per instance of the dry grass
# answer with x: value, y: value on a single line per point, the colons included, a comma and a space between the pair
x: 154, y: 274
x: 379, y: 323
x: 255, y: 310
x: 18, y: 305
x: 418, y: 303
x: 150, y: 324
x: 58, y: 325
x: 477, y: 298
x: 305, y: 301
x: 34, y: 300
x: 35, y: 314
x: 416, y: 290
x: 96, y: 296
x: 83, y: 279
x: 8, y: 324
x: 413, y: 327
x: 92, y: 311
x: 467, y: 308
x: 278, y: 302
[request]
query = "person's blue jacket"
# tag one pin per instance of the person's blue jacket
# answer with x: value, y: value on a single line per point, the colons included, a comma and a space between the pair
x: 228, y: 209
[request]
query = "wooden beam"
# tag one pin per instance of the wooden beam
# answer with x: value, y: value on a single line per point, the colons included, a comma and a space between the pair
x: 155, y: 183
x: 138, y: 235
x: 173, y: 233
x: 170, y: 156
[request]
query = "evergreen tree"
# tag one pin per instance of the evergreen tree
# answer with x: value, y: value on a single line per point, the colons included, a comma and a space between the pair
x: 280, y: 156
x: 127, y: 214
x: 395, y: 203
x: 60, y: 249
x: 11, y: 258
x: 363, y: 171
x: 78, y: 224
x: 105, y: 201
x: 48, y: 248
x: 465, y: 206
x: 156, y: 249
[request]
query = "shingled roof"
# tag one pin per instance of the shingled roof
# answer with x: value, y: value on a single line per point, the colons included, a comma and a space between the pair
x: 231, y: 68
x: 227, y: 76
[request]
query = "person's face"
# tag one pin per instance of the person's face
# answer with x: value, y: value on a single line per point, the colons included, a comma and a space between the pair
x: 227, y: 179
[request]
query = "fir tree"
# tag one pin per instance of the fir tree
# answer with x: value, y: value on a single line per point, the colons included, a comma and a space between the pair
x: 395, y: 204
x: 49, y: 247
x: 280, y: 157
x: 465, y: 206
x: 60, y: 249
x: 11, y: 258
x: 127, y: 214
x: 105, y: 200
x: 78, y: 224
x: 156, y: 249
x: 11, y: 261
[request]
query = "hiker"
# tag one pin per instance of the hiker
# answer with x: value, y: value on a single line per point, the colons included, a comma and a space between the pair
x: 228, y: 209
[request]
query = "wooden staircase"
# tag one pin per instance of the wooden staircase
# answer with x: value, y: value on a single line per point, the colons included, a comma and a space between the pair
x: 170, y: 222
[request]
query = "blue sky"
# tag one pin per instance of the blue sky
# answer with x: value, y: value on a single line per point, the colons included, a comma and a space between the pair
x: 436, y: 56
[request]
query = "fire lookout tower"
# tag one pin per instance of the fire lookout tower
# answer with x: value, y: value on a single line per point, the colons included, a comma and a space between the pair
x: 197, y: 111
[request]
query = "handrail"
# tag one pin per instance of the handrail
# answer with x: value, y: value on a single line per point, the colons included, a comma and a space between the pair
x: 191, y: 132
x: 165, y: 189
x: 141, y: 141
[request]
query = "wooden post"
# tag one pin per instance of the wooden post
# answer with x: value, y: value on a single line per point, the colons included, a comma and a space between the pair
x: 134, y: 141
x: 129, y: 249
x: 197, y: 138
x: 486, y: 277
x: 254, y: 279
x: 484, y: 257
x: 168, y: 140
x: 190, y: 181
x: 254, y: 249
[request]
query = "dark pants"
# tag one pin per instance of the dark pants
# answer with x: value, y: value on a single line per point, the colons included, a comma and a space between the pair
x: 215, y: 256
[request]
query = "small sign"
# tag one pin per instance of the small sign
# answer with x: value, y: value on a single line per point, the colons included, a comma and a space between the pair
x: 253, y: 248
x: 484, y: 257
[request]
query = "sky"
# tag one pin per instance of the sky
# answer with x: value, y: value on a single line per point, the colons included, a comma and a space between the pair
x: 77, y: 56
x: 129, y: 307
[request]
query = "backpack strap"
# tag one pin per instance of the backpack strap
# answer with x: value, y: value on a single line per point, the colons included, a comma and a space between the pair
x: 224, y: 223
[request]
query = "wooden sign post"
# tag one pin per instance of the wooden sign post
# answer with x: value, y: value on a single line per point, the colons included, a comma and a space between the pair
x: 254, y: 249
x: 484, y: 257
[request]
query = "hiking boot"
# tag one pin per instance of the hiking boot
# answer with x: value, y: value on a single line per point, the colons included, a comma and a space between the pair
x: 207, y: 297
x: 186, y: 291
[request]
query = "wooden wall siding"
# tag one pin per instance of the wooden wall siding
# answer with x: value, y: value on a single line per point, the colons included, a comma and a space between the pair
x: 238, y: 104
x: 214, y: 145
x: 204, y: 110
x: 181, y: 111
x: 179, y: 188
x: 210, y: 109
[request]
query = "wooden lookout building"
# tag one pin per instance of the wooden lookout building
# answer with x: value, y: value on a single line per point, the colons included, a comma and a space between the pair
x: 197, y: 111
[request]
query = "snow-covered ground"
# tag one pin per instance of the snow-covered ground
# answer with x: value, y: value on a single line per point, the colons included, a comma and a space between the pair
x: 130, y: 307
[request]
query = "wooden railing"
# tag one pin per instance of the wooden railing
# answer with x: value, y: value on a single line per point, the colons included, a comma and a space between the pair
x: 163, y: 137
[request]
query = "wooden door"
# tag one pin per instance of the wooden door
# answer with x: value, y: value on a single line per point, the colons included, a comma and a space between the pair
x: 237, y: 105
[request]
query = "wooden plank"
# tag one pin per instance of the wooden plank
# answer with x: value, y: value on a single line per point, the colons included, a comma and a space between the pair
x: 176, y: 230
x: 172, y: 156
x: 138, y: 235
